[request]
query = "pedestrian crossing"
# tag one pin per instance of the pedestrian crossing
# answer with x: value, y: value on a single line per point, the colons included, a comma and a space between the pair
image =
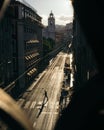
x: 38, y: 104
x: 33, y: 105
x: 29, y: 105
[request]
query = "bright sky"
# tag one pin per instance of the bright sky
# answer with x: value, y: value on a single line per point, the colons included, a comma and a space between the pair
x: 62, y: 10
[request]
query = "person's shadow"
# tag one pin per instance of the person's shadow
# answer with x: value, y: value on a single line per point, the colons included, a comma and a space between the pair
x: 45, y: 100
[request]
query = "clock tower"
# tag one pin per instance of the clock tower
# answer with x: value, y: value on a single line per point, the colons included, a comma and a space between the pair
x: 51, y: 26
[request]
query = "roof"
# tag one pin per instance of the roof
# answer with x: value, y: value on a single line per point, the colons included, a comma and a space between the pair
x: 27, y: 4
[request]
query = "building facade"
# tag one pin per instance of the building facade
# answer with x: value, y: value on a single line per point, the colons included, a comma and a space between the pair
x: 29, y: 38
x: 7, y: 38
x: 22, y: 34
x: 84, y: 62
x: 68, y: 33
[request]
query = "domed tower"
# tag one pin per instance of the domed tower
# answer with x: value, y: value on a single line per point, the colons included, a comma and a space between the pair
x: 51, y: 26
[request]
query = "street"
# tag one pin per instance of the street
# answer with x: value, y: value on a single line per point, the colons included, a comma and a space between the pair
x: 41, y: 100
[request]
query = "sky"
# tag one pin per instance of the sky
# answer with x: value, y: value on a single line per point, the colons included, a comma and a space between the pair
x: 62, y: 10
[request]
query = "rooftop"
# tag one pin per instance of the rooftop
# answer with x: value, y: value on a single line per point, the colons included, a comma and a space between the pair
x: 27, y: 4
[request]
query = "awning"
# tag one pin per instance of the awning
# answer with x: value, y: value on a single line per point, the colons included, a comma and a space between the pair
x: 33, y: 41
x: 27, y: 57
x: 31, y: 56
x: 31, y: 72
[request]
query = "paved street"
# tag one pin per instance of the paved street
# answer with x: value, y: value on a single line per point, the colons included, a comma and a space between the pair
x: 41, y: 100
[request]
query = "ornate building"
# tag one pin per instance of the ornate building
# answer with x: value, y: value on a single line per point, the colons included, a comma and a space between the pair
x: 49, y: 31
x: 51, y: 26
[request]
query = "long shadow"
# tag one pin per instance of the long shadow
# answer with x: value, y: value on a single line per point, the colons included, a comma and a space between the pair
x: 45, y: 100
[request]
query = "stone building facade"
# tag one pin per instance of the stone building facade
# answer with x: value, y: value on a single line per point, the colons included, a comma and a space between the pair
x: 23, y: 45
x: 29, y: 37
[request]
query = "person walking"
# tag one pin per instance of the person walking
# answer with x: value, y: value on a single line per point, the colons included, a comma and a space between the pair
x: 45, y: 100
x: 45, y: 95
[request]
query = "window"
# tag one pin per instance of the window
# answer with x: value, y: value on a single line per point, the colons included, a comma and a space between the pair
x: 23, y: 12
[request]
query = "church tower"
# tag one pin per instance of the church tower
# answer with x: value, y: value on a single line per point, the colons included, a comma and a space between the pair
x: 51, y: 26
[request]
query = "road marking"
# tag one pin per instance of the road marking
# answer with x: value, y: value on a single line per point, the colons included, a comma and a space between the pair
x: 55, y: 113
x: 39, y: 104
x: 57, y: 105
x: 27, y: 104
x: 46, y: 104
x: 51, y: 105
x: 34, y: 124
x: 33, y: 105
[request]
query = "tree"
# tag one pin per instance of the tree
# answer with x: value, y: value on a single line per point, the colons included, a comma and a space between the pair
x: 48, y: 45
